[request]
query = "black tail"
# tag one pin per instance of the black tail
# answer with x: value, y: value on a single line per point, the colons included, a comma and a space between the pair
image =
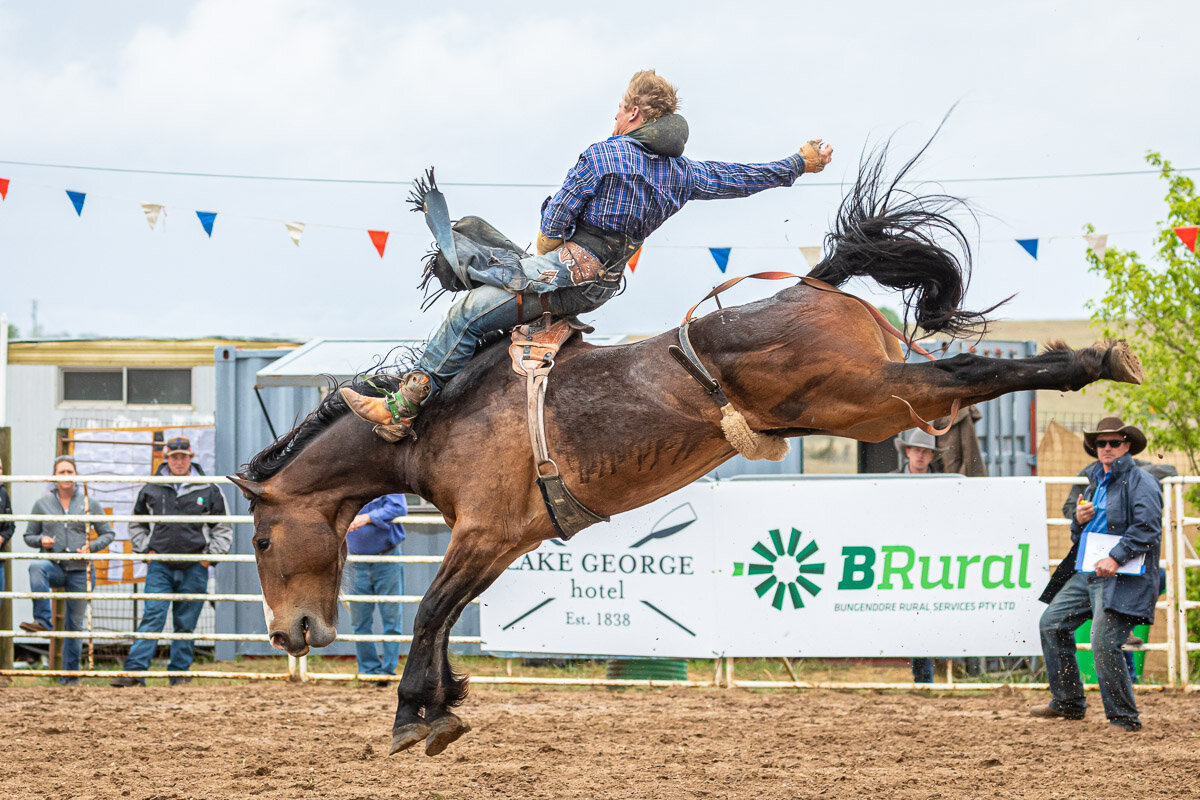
x: 891, y: 235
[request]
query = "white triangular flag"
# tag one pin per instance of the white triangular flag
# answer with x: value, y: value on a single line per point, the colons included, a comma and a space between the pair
x: 152, y: 211
x: 811, y: 254
x: 1097, y: 243
x: 295, y: 230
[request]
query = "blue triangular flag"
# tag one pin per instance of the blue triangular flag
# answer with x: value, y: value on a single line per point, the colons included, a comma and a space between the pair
x: 206, y: 219
x: 77, y: 199
x: 721, y: 256
x: 1030, y: 246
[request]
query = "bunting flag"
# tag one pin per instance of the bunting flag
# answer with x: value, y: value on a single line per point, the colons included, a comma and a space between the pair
x: 721, y: 256
x: 1187, y: 235
x: 295, y: 230
x: 207, y: 218
x: 3, y: 188
x: 1097, y: 243
x: 152, y: 212
x: 77, y: 199
x: 1030, y: 246
x: 634, y: 259
x: 379, y: 239
x: 812, y: 255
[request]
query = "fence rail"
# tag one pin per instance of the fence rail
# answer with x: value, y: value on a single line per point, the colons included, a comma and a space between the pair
x: 1176, y: 561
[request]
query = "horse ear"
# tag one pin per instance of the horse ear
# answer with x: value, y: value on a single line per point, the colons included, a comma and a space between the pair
x: 253, y: 490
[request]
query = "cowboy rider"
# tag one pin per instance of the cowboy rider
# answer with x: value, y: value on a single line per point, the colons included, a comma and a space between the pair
x: 615, y: 196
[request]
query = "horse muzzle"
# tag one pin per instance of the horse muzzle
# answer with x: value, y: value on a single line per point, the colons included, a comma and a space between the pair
x: 305, y: 632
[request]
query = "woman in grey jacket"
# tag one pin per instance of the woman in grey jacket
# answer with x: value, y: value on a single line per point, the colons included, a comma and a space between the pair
x: 63, y: 537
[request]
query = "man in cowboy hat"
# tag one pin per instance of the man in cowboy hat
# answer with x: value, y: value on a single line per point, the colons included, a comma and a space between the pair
x: 175, y: 577
x: 1123, y: 500
x: 919, y: 451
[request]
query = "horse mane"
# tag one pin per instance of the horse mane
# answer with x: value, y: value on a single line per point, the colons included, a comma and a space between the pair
x: 892, y: 235
x: 375, y: 382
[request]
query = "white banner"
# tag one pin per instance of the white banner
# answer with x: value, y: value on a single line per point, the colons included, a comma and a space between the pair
x: 873, y: 566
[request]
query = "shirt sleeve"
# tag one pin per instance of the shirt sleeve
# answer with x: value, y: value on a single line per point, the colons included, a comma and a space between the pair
x: 393, y: 506
x: 563, y: 210
x: 220, y: 534
x: 716, y: 180
x: 6, y: 528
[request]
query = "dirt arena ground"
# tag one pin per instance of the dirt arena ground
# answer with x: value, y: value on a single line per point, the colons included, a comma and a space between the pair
x: 270, y: 740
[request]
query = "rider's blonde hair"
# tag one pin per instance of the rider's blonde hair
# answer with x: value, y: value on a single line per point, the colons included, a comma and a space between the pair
x: 652, y: 94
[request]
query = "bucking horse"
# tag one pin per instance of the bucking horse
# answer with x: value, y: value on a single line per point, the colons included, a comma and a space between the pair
x: 629, y: 424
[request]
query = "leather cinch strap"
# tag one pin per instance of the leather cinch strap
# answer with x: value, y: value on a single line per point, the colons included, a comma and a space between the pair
x: 567, y: 514
x: 687, y: 357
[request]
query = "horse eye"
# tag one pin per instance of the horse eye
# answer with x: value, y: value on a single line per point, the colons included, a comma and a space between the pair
x: 262, y: 544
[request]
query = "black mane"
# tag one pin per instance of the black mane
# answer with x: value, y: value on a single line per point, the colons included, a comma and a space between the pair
x: 276, y: 456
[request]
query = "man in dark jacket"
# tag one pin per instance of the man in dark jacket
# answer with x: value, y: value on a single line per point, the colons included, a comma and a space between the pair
x: 175, y: 577
x: 1122, y: 500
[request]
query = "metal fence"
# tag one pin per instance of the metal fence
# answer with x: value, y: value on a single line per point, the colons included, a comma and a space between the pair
x: 1178, y: 556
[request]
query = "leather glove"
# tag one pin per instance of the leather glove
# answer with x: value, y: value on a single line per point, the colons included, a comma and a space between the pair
x: 546, y: 245
x: 811, y: 153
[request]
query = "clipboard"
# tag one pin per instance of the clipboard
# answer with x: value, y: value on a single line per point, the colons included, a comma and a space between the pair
x: 1094, y: 546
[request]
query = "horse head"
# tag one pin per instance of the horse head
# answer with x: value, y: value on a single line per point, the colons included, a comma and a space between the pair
x: 300, y: 555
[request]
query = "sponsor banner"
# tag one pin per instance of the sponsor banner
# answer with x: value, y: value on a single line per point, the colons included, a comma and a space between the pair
x: 869, y: 566
x: 641, y: 585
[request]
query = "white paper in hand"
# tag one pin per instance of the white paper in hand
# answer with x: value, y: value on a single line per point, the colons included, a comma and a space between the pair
x: 1095, y: 546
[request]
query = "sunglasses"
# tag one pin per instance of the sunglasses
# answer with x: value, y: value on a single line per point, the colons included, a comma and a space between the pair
x: 1114, y: 443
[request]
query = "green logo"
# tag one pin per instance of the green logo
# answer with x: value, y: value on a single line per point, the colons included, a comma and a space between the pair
x: 785, y: 569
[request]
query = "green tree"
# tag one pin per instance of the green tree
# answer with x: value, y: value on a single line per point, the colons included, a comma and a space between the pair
x: 1157, y: 308
x: 13, y: 333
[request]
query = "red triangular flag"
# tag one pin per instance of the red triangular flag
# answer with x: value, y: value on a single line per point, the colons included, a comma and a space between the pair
x: 379, y: 239
x: 3, y: 188
x: 634, y: 259
x: 1187, y: 235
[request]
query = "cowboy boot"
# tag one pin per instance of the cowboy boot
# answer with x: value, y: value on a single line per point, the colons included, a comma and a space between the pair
x: 393, y: 414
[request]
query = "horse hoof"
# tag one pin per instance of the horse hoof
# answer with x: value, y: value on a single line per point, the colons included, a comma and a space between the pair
x: 443, y: 732
x: 406, y: 736
x: 1124, y: 364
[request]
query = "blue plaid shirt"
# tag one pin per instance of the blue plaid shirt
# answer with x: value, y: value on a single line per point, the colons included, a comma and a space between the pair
x: 618, y: 186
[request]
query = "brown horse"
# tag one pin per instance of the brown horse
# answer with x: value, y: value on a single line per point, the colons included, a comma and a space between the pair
x: 627, y: 425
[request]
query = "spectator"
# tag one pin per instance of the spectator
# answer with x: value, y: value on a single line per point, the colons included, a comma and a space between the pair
x: 960, y: 445
x: 1158, y: 472
x: 1121, y: 499
x: 65, y: 497
x: 175, y: 577
x: 918, y: 449
x: 6, y: 528
x: 372, y: 532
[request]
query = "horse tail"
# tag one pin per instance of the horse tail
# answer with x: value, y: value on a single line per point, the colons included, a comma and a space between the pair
x: 891, y: 235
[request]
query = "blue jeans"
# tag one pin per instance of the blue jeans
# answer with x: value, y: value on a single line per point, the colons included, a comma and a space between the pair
x: 922, y: 670
x: 1081, y: 599
x: 377, y: 579
x: 44, y: 575
x: 488, y: 308
x: 162, y: 579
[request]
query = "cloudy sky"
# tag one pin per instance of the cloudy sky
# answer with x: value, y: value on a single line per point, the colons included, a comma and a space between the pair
x: 364, y: 95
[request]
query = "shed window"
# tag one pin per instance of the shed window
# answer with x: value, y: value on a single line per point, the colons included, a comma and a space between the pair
x: 105, y: 386
x: 135, y: 387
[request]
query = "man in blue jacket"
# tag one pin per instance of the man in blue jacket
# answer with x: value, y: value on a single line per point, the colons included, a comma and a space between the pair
x: 1122, y: 500
x: 373, y: 533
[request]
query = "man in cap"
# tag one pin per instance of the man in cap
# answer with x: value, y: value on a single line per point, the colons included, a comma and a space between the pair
x: 175, y: 577
x: 616, y: 195
x: 1122, y: 500
x: 918, y: 449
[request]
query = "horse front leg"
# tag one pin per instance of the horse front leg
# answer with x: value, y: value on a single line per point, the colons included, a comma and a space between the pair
x: 472, y: 562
